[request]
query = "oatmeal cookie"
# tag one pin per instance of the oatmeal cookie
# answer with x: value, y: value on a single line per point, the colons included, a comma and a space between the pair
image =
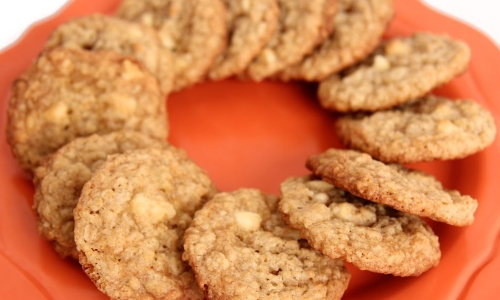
x: 251, y: 24
x: 430, y: 128
x: 130, y: 220
x: 358, y: 28
x: 68, y: 93
x: 399, y: 70
x: 100, y: 32
x: 406, y: 190
x: 300, y: 29
x: 194, y: 30
x: 240, y: 248
x: 371, y: 236
x: 61, y: 176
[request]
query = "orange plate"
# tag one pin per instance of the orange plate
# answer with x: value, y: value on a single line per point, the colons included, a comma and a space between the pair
x: 256, y: 135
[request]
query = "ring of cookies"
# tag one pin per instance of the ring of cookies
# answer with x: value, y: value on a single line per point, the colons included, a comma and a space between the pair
x: 87, y: 121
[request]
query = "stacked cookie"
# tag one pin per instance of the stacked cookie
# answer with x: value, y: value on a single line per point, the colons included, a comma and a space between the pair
x: 88, y: 121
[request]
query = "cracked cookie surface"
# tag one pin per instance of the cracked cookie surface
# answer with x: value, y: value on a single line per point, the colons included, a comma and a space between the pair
x: 130, y: 221
x: 371, y: 236
x: 240, y: 248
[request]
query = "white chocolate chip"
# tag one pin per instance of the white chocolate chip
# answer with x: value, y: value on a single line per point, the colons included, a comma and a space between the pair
x: 321, y: 198
x: 397, y: 47
x: 381, y: 64
x: 269, y: 56
x: 134, y: 283
x: 363, y: 216
x: 131, y: 71
x: 319, y: 185
x: 150, y: 210
x: 446, y: 127
x: 57, y: 113
x: 248, y: 220
x: 120, y: 103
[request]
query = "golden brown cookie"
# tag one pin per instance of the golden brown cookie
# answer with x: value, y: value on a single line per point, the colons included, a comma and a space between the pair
x: 100, y: 32
x: 406, y: 190
x: 194, y: 30
x: 130, y: 221
x: 240, y: 248
x: 427, y: 129
x: 371, y: 236
x: 359, y: 27
x: 251, y: 24
x: 400, y: 70
x: 301, y: 27
x: 61, y: 176
x: 68, y: 93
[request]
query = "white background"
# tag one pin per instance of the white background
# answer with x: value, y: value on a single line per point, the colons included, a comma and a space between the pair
x: 17, y: 15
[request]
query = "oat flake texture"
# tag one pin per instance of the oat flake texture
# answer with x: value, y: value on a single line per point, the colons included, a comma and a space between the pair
x: 369, y: 235
x: 130, y: 221
x: 240, y: 248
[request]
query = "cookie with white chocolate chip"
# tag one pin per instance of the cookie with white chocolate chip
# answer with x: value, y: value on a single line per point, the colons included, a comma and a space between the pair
x: 68, y: 93
x: 240, y: 248
x: 194, y: 30
x: 130, y: 221
x: 358, y: 28
x: 426, y: 129
x: 99, y: 32
x: 60, y: 178
x: 371, y: 236
x: 400, y: 69
x: 301, y: 27
x: 403, y: 189
x: 251, y: 24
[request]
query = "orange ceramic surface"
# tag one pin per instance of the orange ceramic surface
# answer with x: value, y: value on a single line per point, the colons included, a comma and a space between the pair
x: 255, y: 135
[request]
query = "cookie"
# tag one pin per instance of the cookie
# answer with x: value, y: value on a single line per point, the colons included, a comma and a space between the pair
x: 403, y: 189
x: 251, y: 24
x: 68, y: 93
x: 371, y: 236
x: 100, y: 32
x: 401, y: 69
x: 330, y: 9
x: 427, y: 129
x: 130, y: 220
x: 195, y: 32
x: 358, y: 28
x: 61, y: 176
x: 240, y: 248
x: 300, y: 28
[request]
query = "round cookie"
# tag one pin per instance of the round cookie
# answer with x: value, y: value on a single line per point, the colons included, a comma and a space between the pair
x: 240, y: 248
x: 406, y: 190
x: 60, y: 178
x: 427, y: 129
x: 301, y: 27
x: 401, y: 69
x: 251, y: 24
x: 371, y: 236
x: 194, y: 30
x: 358, y: 28
x: 68, y: 93
x: 100, y: 32
x: 130, y: 221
